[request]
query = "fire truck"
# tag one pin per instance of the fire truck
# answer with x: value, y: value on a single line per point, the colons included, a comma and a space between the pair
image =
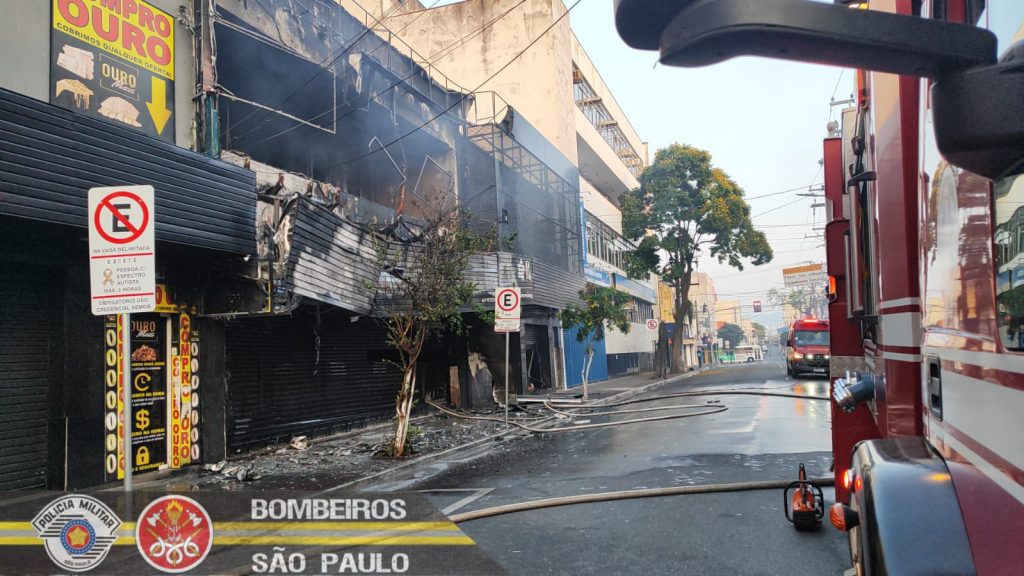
x: 807, y: 348
x: 924, y: 184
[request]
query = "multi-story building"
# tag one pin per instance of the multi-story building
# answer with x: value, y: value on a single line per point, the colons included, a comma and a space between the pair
x: 704, y: 298
x: 280, y: 137
x: 555, y: 86
x: 76, y: 112
x: 367, y: 142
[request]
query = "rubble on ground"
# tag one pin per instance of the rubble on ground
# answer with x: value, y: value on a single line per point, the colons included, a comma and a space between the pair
x: 306, y: 463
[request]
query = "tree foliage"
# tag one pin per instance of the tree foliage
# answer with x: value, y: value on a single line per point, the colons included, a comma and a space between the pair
x: 603, y: 309
x: 806, y: 301
x: 684, y: 207
x: 422, y: 291
x: 731, y: 333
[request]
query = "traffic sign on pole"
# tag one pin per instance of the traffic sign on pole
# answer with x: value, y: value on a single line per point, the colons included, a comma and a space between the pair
x: 652, y: 325
x: 122, y: 261
x: 507, y: 306
x: 122, y: 268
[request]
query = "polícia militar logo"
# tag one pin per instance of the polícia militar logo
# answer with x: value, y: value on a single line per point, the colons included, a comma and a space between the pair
x: 77, y: 531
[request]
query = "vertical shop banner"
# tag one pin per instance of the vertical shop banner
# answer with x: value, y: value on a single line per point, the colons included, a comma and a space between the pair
x: 193, y: 392
x: 114, y: 59
x: 113, y: 466
x: 149, y: 392
x: 182, y: 397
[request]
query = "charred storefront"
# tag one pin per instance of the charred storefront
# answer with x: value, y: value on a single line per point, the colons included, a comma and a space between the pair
x: 512, y: 177
x: 350, y: 139
x: 58, y: 363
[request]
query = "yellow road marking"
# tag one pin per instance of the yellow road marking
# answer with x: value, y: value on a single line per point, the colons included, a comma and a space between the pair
x: 369, y: 526
x: 294, y: 525
x: 347, y: 540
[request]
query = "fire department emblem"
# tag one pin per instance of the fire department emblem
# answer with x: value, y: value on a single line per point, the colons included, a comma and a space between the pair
x: 174, y: 534
x: 77, y: 531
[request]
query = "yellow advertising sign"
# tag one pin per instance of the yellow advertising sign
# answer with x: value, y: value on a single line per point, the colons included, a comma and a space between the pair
x: 163, y: 301
x: 131, y: 29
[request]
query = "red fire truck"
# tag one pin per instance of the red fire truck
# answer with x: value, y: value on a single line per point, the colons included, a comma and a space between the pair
x: 807, y: 348
x: 925, y: 245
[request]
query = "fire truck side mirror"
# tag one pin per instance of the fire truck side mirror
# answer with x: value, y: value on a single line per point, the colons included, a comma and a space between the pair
x: 979, y: 117
x: 701, y: 32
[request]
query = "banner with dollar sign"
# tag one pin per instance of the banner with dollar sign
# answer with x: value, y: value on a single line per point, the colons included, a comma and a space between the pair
x: 149, y: 391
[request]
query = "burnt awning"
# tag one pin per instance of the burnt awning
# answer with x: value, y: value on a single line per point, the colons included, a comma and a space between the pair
x: 50, y: 157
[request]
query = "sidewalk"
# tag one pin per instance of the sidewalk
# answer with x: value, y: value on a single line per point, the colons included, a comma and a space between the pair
x: 614, y: 386
x: 350, y: 458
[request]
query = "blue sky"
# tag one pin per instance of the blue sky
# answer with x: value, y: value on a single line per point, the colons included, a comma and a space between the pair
x: 762, y: 120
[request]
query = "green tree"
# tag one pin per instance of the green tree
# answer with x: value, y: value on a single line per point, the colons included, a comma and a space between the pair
x: 683, y: 207
x: 731, y: 333
x: 422, y: 291
x: 603, y: 308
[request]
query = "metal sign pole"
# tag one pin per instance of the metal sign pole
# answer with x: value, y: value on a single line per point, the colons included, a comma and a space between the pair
x: 506, y: 378
x: 126, y: 384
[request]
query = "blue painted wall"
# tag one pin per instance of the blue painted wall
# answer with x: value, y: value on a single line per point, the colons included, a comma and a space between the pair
x: 575, y: 356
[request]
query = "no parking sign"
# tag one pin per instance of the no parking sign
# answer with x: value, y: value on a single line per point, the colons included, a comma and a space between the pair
x: 507, y: 304
x: 122, y: 260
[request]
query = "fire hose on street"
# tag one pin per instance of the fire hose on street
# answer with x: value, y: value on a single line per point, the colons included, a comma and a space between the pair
x: 629, y: 494
x: 714, y: 409
x: 560, y: 410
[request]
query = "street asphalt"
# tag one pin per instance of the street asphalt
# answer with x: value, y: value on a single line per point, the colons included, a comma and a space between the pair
x: 739, y: 533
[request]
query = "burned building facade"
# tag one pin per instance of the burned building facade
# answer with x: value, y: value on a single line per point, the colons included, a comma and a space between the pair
x: 351, y: 134
x: 347, y: 137
x: 280, y: 137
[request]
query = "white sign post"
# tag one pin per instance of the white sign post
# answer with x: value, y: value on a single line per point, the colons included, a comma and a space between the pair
x: 652, y: 325
x: 122, y: 268
x: 507, y: 306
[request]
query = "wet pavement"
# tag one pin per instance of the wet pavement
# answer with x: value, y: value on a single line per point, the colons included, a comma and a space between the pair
x: 757, y: 438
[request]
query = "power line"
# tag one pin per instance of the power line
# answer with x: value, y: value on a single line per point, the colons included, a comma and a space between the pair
x: 463, y: 98
x: 323, y: 68
x: 777, y: 208
x: 758, y: 270
x: 429, y: 62
x: 782, y: 191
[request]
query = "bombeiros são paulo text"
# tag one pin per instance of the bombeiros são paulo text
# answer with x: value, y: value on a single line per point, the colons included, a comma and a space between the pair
x: 328, y: 509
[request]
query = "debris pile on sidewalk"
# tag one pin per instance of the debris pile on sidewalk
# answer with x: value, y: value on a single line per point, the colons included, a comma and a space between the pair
x: 307, y: 463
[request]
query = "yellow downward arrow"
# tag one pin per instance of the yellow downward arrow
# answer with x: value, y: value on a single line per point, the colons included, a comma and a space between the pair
x: 158, y: 105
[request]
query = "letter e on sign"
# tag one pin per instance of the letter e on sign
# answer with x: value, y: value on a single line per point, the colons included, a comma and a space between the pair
x: 507, y: 305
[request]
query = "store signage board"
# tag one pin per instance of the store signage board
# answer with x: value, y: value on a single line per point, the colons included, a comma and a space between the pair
x: 114, y: 60
x: 507, y: 307
x: 122, y: 260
